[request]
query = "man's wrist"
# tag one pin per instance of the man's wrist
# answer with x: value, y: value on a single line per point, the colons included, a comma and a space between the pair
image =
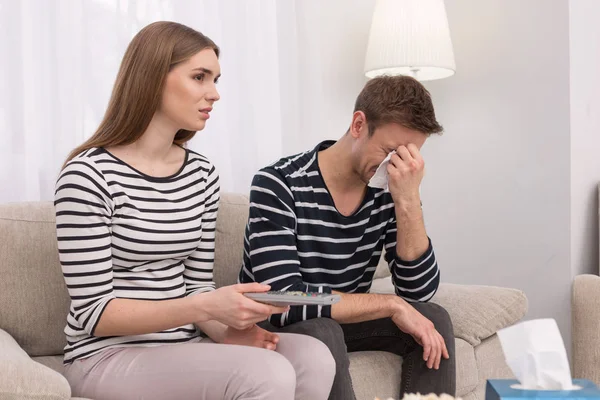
x: 396, y: 305
x: 408, y: 209
x: 407, y: 200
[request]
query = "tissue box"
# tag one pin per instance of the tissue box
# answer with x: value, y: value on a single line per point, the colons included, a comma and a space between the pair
x: 497, y: 389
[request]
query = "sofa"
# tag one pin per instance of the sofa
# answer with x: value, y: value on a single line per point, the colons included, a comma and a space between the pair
x: 585, y: 328
x: 585, y: 316
x: 34, y: 304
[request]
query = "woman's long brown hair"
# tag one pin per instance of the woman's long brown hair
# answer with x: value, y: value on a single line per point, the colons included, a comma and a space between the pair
x: 137, y: 93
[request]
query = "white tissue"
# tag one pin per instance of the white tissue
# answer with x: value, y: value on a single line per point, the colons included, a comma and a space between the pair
x: 380, y: 179
x: 535, y: 352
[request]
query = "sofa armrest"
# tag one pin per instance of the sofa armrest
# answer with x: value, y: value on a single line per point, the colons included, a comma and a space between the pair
x: 477, y: 312
x: 23, y: 378
x: 585, y: 317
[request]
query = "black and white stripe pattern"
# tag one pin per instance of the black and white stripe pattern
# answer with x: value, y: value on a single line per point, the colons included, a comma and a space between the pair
x: 296, y: 239
x: 123, y: 234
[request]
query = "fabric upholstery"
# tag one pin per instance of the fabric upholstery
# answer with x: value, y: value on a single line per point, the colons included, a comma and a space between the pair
x: 490, y: 363
x: 52, y: 362
x: 33, y: 296
x: 467, y: 377
x: 477, y: 312
x: 585, y: 316
x: 383, y: 270
x: 471, y: 396
x: 375, y: 372
x: 231, y: 222
x: 22, y: 378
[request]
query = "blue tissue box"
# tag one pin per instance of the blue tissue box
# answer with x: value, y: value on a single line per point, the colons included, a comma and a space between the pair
x: 500, y: 389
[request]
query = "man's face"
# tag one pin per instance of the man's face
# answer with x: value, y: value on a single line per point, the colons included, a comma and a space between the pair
x: 370, y: 151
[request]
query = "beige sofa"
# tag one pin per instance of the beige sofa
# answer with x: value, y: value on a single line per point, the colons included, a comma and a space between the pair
x: 586, y: 327
x: 34, y: 305
x: 585, y: 315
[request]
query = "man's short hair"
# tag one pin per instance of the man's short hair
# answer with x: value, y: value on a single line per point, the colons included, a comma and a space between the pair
x: 397, y: 99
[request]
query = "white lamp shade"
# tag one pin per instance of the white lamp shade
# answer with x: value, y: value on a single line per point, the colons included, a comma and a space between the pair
x: 410, y: 37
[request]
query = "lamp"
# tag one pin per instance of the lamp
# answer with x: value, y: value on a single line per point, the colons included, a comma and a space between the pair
x: 410, y: 37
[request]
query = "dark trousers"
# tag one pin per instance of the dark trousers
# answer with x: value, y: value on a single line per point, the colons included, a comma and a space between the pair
x: 384, y: 335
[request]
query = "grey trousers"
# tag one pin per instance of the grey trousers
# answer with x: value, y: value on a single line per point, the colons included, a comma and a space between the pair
x: 301, y: 368
x: 384, y: 335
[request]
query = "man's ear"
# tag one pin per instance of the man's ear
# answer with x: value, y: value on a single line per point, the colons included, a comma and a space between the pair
x: 359, y: 125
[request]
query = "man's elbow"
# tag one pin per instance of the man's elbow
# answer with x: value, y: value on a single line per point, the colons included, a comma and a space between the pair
x: 420, y: 296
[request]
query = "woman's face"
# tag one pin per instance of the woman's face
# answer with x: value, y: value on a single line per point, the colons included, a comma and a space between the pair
x: 190, y: 91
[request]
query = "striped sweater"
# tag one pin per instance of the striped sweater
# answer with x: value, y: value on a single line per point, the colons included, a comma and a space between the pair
x: 124, y: 234
x: 297, y: 240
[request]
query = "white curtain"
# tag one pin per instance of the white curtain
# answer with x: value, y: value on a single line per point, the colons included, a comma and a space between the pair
x: 60, y: 59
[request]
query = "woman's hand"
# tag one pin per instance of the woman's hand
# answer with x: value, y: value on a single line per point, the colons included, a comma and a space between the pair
x: 229, y: 306
x: 253, y: 336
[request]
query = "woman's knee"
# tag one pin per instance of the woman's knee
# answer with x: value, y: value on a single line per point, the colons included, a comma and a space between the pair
x: 318, y: 353
x: 315, y: 368
x: 271, y: 376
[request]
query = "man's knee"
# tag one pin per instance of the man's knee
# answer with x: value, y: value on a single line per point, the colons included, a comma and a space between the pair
x: 440, y: 318
x: 325, y: 329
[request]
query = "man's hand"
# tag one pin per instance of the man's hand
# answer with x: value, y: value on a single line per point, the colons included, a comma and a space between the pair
x: 410, y: 321
x: 405, y: 173
x: 254, y: 336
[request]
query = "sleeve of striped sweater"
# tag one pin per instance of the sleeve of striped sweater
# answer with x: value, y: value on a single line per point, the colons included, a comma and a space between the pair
x: 198, y: 274
x: 270, y: 244
x: 83, y: 215
x: 415, y: 280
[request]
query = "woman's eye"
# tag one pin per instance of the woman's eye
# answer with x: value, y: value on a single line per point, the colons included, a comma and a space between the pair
x: 199, y: 77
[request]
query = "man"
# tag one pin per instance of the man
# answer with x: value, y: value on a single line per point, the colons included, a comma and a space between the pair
x: 316, y: 226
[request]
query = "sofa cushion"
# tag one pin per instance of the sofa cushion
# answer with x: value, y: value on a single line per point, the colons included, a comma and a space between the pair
x: 52, y: 362
x: 231, y: 222
x: 383, y: 270
x: 33, y: 297
x: 491, y: 363
x: 467, y: 375
x: 477, y: 312
x: 370, y: 371
x: 23, y: 378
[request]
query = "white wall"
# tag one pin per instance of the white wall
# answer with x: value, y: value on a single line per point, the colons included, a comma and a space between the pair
x: 585, y: 134
x: 329, y: 71
x: 497, y: 190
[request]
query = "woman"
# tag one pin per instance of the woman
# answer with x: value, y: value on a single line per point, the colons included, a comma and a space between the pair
x: 136, y: 215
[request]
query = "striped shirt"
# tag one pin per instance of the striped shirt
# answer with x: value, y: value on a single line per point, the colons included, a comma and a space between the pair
x: 297, y: 240
x: 124, y: 234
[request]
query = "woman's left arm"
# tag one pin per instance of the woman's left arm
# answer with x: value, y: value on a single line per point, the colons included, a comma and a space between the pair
x: 198, y: 274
